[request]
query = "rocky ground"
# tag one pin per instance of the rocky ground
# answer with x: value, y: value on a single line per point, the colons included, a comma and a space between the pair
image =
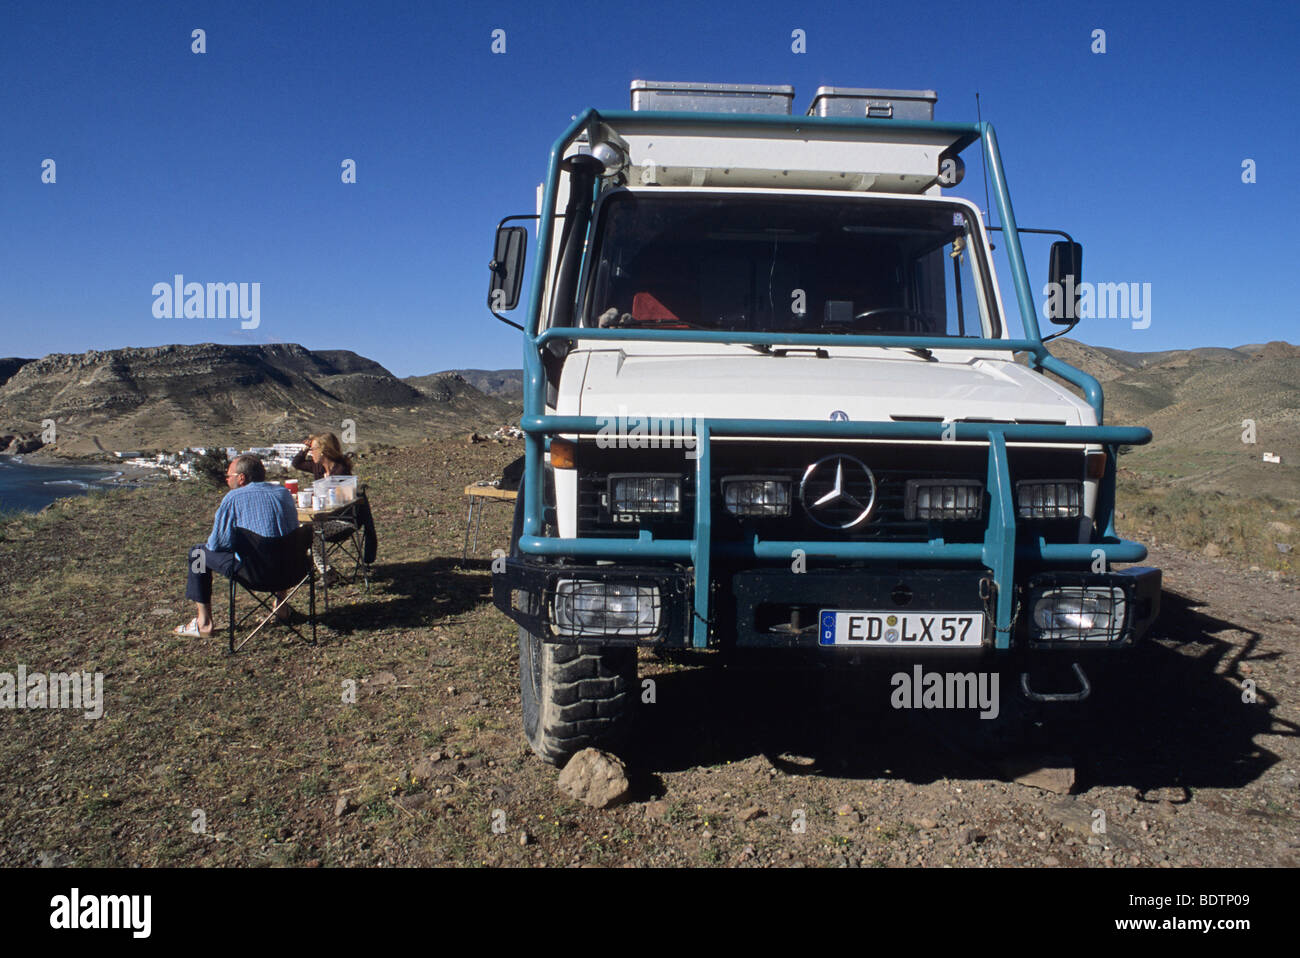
x: 1188, y: 756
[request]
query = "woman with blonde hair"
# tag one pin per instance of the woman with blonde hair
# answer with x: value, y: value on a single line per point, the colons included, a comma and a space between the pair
x: 323, y: 457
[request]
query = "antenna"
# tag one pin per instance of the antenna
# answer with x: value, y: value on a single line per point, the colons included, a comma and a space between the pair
x: 987, y: 212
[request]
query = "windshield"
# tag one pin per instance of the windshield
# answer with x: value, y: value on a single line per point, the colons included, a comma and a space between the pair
x: 785, y: 264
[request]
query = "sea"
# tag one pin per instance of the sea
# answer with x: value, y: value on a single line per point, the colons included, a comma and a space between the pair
x: 28, y: 488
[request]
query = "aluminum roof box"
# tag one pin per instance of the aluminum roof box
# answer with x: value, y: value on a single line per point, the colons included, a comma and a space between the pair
x: 873, y: 104
x: 712, y: 97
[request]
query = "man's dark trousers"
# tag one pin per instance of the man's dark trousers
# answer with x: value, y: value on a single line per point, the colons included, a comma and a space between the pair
x: 198, y: 587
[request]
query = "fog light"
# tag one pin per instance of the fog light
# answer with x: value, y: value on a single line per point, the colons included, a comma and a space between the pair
x: 756, y: 496
x: 1078, y: 614
x: 939, y: 499
x: 1061, y: 499
x: 645, y: 494
x: 586, y: 607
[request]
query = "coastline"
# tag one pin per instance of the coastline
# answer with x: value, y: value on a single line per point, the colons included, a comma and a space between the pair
x: 32, y: 484
x: 119, y: 473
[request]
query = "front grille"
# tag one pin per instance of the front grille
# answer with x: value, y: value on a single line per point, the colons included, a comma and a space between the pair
x: 891, y: 465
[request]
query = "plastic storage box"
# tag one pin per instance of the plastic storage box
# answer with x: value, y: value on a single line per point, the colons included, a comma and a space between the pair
x: 346, y: 486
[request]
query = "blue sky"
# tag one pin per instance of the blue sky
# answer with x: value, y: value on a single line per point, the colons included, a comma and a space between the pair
x: 225, y: 166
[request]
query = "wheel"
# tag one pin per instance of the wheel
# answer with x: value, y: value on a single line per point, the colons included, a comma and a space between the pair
x: 574, y: 696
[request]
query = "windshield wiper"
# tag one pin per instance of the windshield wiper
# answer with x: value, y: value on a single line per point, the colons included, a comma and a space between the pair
x: 767, y: 350
x: 820, y: 353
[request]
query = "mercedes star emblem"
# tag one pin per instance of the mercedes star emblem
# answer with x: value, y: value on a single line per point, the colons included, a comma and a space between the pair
x: 825, y: 489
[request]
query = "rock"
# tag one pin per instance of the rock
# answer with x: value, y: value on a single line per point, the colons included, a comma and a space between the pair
x: 423, y: 770
x: 924, y: 822
x: 413, y: 802
x: 595, y: 778
x: 966, y: 836
x: 343, y: 806
x: 24, y: 446
x: 1051, y: 775
x: 524, y: 838
x: 1212, y: 550
x: 752, y: 813
x: 1051, y: 861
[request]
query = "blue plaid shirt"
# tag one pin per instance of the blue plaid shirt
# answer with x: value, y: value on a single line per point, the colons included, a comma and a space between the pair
x: 258, y: 507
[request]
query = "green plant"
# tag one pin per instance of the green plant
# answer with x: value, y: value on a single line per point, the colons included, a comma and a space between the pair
x: 211, y: 466
x: 377, y: 811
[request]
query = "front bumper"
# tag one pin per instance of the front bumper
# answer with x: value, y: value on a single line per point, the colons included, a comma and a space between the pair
x: 775, y: 608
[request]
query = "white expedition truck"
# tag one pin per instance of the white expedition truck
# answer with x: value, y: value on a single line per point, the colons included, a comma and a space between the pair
x: 771, y: 402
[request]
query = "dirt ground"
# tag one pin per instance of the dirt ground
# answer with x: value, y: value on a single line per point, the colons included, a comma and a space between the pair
x: 1188, y: 756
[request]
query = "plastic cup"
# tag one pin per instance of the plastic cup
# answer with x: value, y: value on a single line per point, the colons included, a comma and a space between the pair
x: 291, y: 485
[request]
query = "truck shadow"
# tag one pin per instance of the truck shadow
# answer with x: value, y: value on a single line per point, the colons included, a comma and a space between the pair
x: 1170, y: 716
x: 406, y: 595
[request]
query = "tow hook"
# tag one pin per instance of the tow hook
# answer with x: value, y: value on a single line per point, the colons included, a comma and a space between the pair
x: 1085, y: 689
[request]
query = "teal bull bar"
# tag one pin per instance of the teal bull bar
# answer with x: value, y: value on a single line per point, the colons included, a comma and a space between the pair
x: 998, y: 551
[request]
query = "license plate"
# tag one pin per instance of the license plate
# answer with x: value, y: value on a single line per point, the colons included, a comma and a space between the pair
x: 921, y: 630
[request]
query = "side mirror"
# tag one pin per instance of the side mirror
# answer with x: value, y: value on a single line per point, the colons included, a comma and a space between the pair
x: 507, y: 268
x: 1065, y: 273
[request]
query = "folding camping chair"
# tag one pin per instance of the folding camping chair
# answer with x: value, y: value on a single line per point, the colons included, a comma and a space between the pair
x: 271, y: 565
x: 340, y: 533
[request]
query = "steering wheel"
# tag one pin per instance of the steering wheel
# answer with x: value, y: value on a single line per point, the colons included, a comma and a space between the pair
x: 923, y: 321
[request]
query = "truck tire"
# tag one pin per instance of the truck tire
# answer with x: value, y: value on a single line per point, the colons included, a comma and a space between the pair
x: 574, y: 696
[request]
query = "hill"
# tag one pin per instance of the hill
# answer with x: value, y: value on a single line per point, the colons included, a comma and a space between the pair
x: 1195, y: 401
x: 506, y: 384
x: 10, y: 366
x: 164, y: 397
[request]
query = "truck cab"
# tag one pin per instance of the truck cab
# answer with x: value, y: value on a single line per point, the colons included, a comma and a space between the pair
x: 772, y: 403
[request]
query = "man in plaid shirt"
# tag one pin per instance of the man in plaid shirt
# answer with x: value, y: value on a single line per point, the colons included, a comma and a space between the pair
x: 253, y: 504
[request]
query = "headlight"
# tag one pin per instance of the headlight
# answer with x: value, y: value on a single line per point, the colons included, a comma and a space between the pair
x: 756, y: 496
x: 1078, y: 613
x: 938, y: 499
x: 639, y: 495
x: 1056, y: 499
x: 586, y: 607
